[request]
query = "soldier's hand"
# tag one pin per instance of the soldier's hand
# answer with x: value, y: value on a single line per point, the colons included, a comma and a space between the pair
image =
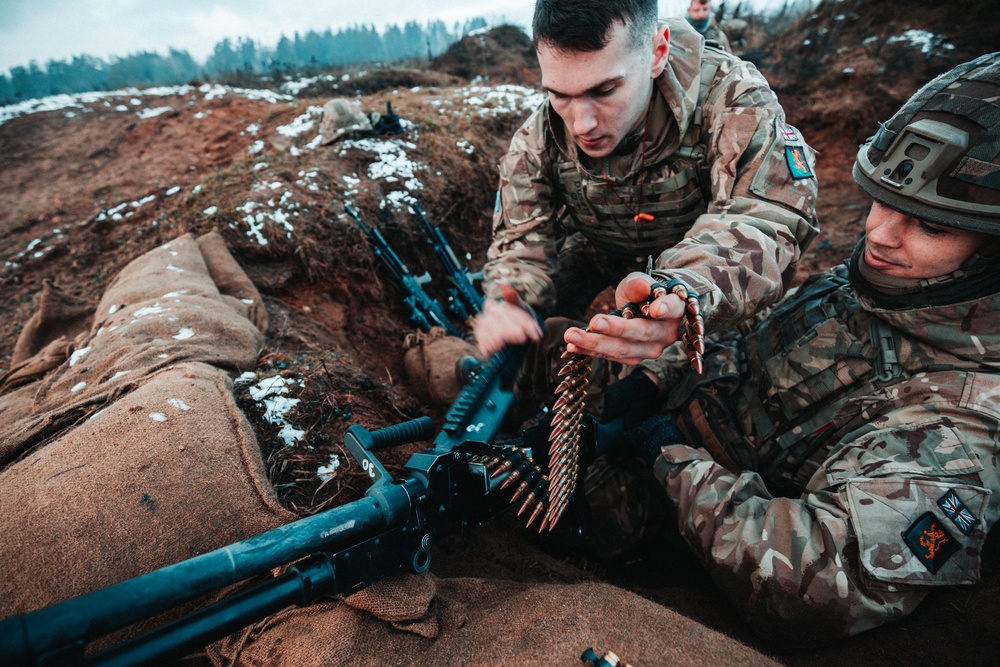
x: 505, y: 322
x: 630, y: 341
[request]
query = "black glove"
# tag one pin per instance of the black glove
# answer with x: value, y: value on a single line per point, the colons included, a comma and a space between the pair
x: 631, y: 398
x: 647, y: 437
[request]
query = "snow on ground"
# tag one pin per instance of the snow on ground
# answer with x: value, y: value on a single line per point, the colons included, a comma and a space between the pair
x: 270, y: 202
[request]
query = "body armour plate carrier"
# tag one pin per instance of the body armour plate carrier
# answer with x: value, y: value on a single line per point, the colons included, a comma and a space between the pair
x: 776, y: 399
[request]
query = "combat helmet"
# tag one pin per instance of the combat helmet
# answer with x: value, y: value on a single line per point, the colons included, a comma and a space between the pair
x: 342, y: 117
x: 938, y: 157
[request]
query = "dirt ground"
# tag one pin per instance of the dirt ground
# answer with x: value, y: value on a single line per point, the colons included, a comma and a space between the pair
x: 335, y: 316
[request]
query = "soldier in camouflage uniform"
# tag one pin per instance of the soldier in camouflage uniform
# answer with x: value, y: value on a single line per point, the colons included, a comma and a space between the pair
x: 650, y: 145
x: 841, y: 456
x: 699, y: 15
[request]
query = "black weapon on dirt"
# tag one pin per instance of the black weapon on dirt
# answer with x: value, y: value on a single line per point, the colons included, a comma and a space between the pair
x: 463, y: 299
x: 444, y: 490
x: 423, y: 311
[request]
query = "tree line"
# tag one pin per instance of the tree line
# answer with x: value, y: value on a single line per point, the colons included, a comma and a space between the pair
x: 312, y: 50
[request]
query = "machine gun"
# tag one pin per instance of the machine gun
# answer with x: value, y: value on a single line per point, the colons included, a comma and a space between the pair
x: 444, y: 490
x: 463, y: 299
x: 424, y: 312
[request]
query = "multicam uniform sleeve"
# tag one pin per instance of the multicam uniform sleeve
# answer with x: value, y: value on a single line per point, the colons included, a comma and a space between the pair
x: 903, y: 505
x: 740, y: 256
x: 524, y: 223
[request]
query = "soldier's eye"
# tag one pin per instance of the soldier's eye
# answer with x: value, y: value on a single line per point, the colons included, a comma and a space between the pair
x: 933, y: 230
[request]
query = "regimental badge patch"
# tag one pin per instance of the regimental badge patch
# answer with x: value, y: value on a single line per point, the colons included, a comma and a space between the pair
x: 798, y: 164
x: 931, y: 542
x: 957, y: 511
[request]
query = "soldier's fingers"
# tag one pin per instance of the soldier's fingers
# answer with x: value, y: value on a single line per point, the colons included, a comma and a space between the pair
x: 502, y: 324
x: 615, y: 349
x: 614, y: 337
x: 667, y: 307
x: 511, y: 296
x: 634, y: 287
x: 637, y: 329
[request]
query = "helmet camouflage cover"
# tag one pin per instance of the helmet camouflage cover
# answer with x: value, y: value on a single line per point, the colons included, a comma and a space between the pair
x: 342, y: 117
x: 938, y: 157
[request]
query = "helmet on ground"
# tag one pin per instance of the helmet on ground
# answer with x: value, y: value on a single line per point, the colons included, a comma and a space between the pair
x: 342, y: 117
x: 938, y: 157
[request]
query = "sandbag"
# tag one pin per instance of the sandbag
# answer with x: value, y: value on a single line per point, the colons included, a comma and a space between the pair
x: 131, y: 453
x: 487, y: 622
x: 161, y: 310
x: 431, y: 361
x: 169, y: 471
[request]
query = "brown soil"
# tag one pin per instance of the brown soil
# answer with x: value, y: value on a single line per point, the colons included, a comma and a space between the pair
x: 336, y: 318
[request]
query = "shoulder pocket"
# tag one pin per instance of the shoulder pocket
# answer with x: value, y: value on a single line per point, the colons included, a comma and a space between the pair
x: 786, y: 174
x: 910, y: 532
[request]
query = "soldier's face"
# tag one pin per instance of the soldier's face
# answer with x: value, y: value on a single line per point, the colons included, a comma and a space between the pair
x: 698, y: 11
x: 602, y: 95
x: 902, y: 246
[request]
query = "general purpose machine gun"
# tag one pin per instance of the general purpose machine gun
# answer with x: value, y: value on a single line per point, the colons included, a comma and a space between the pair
x: 463, y: 299
x: 444, y: 490
x: 423, y: 311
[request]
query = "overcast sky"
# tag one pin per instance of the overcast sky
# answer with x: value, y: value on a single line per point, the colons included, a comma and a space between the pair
x: 44, y: 30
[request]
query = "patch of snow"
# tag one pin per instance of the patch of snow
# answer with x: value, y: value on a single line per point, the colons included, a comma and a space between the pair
x: 78, y: 355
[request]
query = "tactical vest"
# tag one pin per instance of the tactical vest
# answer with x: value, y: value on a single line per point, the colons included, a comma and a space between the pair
x: 675, y: 192
x: 778, y: 398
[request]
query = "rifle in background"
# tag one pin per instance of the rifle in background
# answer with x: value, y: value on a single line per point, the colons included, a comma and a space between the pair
x: 463, y: 299
x: 423, y: 311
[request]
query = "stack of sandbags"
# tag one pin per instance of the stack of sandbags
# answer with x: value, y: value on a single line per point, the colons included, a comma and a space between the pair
x: 122, y: 446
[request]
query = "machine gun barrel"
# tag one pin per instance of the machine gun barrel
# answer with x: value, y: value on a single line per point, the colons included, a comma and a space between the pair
x: 346, y: 548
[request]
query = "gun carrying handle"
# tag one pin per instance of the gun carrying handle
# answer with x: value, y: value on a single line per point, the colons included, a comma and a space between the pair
x: 414, y: 430
x: 361, y: 442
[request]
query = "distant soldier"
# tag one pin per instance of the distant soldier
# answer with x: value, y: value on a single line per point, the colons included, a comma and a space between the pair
x: 840, y: 457
x: 700, y: 16
x: 649, y: 145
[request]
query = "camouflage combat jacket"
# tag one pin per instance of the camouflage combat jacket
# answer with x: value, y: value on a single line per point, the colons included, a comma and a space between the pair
x: 729, y: 184
x: 880, y: 428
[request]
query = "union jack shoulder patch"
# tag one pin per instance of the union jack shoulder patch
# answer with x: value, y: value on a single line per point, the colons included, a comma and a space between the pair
x: 956, y: 510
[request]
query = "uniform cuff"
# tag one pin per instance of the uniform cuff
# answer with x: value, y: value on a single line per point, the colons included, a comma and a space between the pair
x: 675, y: 455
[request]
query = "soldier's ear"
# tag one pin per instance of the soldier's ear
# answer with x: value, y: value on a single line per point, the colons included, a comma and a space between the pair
x: 661, y: 48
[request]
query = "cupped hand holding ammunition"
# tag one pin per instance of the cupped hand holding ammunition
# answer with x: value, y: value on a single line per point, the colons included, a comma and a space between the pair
x: 636, y: 335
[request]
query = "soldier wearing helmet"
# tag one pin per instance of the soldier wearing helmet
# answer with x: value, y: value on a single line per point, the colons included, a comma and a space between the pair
x: 837, y: 461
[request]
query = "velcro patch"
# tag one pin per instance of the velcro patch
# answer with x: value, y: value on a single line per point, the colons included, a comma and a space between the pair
x: 931, y: 542
x: 798, y: 164
x: 956, y: 510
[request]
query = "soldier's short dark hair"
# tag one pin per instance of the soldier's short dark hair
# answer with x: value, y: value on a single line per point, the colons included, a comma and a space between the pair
x: 585, y: 25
